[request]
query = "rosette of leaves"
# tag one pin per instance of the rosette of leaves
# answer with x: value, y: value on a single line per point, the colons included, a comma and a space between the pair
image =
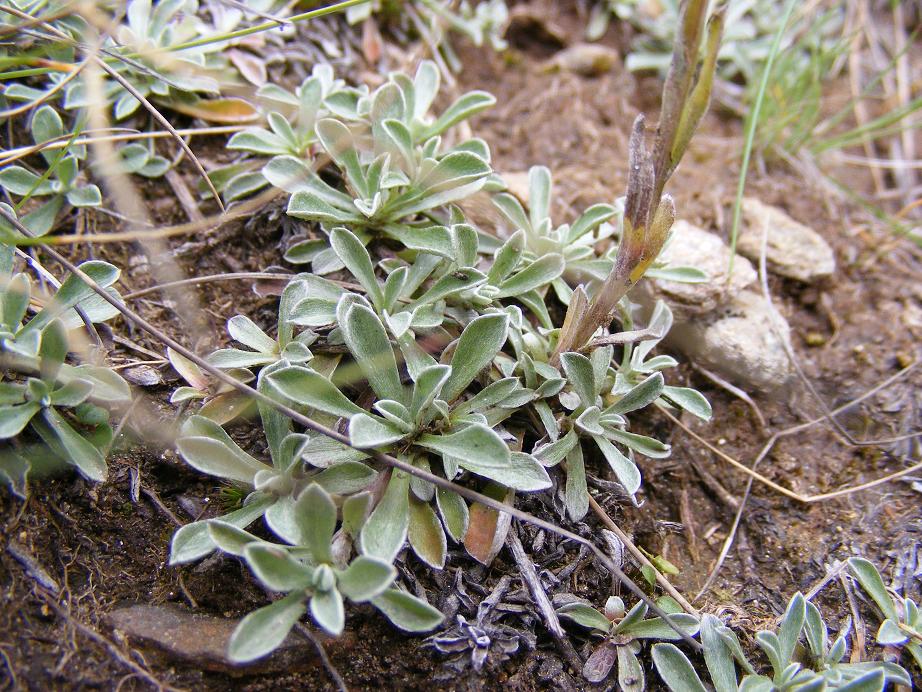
x: 817, y: 666
x: 426, y: 423
x: 409, y: 302
x: 290, y: 121
x: 60, y: 183
x: 902, y: 624
x: 261, y: 349
x: 314, y: 578
x: 297, y: 461
x: 574, y: 242
x: 391, y: 160
x: 60, y: 404
x: 596, y: 393
x: 484, y: 23
x: 622, y: 633
x: 142, y: 52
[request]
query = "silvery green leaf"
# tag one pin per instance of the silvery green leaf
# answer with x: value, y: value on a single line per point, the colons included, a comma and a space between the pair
x: 367, y: 431
x: 316, y: 516
x: 625, y: 470
x: 507, y: 258
x: 398, y: 324
x: 676, y: 670
x: 630, y: 672
x: 456, y: 176
x: 296, y: 352
x: 314, y: 312
x: 74, y: 291
x: 537, y: 274
x: 869, y: 578
x: 304, y: 251
x: 465, y: 107
x: 237, y: 358
x: 384, y: 532
x: 416, y: 358
x: 428, y: 385
x: 345, y: 478
x: 425, y: 88
x: 872, y: 681
x: 338, y: 140
x: 20, y: 181
x: 40, y: 221
x: 258, y: 141
x: 218, y: 457
x: 539, y: 194
x: 435, y: 240
x: 365, y: 578
x: 490, y: 395
x: 229, y: 538
x: 14, y: 418
x: 308, y: 205
x: 72, y: 394
x: 641, y: 395
x: 655, y: 363
x: 791, y: 626
x: 647, y: 446
x: 686, y: 275
x: 308, y: 388
x: 890, y: 634
x: 276, y: 569
x: 260, y: 632
x: 512, y: 209
x: 324, y: 452
x: 356, y: 509
x: 590, y: 219
x: 657, y: 628
x: 327, y: 610
x: 46, y: 125
x: 454, y: 511
x: 517, y: 399
x: 14, y: 301
x: 576, y: 493
x: 85, y: 196
x: 550, y: 388
x: 448, y: 285
x: 193, y: 541
x: 367, y: 341
x: 588, y: 421
x: 394, y: 287
x: 601, y: 360
x: 425, y: 534
x: 466, y: 244
x: 815, y: 631
x: 579, y: 372
x: 553, y: 453
x: 689, y: 399
x: 357, y: 260
x: 756, y: 683
x: 585, y: 615
x: 407, y: 612
x: 478, y: 344
x: 108, y: 385
x: 241, y: 328
x: 717, y: 655
x: 396, y: 413
x: 534, y: 301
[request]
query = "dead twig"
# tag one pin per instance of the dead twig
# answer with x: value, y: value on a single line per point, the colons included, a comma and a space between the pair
x: 538, y: 594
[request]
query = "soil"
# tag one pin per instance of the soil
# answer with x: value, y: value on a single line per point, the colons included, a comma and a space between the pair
x: 75, y: 552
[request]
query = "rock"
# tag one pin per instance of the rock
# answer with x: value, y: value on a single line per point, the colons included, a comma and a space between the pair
x: 202, y: 639
x: 691, y: 246
x: 739, y: 343
x: 793, y: 250
x: 586, y: 59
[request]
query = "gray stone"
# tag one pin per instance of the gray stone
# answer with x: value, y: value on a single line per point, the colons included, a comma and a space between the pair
x: 793, y: 250
x: 176, y: 633
x: 739, y: 343
x: 691, y: 246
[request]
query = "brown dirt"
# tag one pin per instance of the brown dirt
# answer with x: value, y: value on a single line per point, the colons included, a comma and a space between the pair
x: 105, y: 548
